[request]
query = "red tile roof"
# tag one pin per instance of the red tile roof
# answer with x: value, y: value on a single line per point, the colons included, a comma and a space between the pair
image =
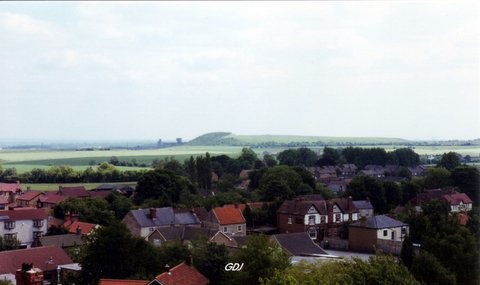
x: 456, y: 198
x: 122, y: 282
x: 85, y: 228
x: 10, y: 187
x: 25, y: 214
x: 29, y: 195
x: 46, y: 258
x: 227, y: 216
x: 74, y: 192
x: 182, y: 274
x: 241, y: 207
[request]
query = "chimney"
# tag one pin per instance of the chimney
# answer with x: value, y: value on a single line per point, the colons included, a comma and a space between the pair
x: 67, y: 217
x: 236, y: 205
x: 189, y: 260
x: 330, y: 211
x: 153, y: 213
x: 75, y: 217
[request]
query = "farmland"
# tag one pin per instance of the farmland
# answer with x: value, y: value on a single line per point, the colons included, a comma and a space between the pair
x: 24, y: 161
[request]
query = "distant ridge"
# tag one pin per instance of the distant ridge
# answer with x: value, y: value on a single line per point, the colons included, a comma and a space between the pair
x: 229, y: 139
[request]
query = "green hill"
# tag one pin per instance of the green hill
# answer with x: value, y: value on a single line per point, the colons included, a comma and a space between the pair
x: 229, y: 139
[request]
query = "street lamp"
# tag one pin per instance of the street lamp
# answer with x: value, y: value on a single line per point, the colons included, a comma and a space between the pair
x: 58, y: 274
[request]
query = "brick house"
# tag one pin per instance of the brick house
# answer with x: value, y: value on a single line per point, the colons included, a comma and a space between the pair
x: 10, y: 190
x: 319, y: 218
x: 228, y: 220
x: 28, y: 198
x: 456, y: 201
x: 25, y: 225
x: 377, y: 233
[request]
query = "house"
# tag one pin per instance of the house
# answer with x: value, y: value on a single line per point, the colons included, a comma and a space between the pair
x: 420, y: 170
x: 182, y: 233
x: 348, y: 169
x: 53, y: 198
x: 456, y: 201
x: 62, y: 241
x: 47, y: 259
x: 143, y: 222
x: 298, y: 244
x: 28, y: 198
x: 377, y: 173
x: 81, y: 228
x: 183, y: 274
x: 380, y: 233
x: 365, y: 208
x: 4, y: 203
x: 9, y: 190
x: 25, y: 225
x: 319, y: 218
x: 228, y: 220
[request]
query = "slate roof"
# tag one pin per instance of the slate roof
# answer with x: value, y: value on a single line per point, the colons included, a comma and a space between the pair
x: 182, y: 274
x: 228, y: 216
x: 363, y: 204
x: 164, y: 216
x: 301, y: 207
x: 185, y: 233
x: 24, y: 214
x: 46, y: 258
x: 298, y: 244
x: 65, y: 240
x: 122, y: 282
x: 379, y: 222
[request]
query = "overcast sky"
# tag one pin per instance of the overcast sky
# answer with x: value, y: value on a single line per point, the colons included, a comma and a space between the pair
x: 127, y: 70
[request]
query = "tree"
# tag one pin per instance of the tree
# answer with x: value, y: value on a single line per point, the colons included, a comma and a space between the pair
x: 111, y: 252
x: 247, y: 158
x: 210, y: 259
x: 163, y: 186
x: 270, y: 160
x: 91, y: 210
x: 467, y: 179
x: 426, y: 268
x: 261, y: 257
x: 449, y: 160
x: 302, y: 156
x: 119, y: 204
x: 330, y: 156
x: 279, y: 182
x: 363, y: 187
x: 437, y: 177
x: 404, y: 157
x: 9, y: 243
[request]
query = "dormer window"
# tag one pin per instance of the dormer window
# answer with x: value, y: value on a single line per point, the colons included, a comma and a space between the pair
x: 311, y: 220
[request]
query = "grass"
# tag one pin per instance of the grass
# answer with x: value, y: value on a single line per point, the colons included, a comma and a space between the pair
x: 54, y: 186
x: 25, y: 161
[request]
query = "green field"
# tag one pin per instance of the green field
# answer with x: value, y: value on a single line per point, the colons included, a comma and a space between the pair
x: 54, y: 186
x: 24, y: 161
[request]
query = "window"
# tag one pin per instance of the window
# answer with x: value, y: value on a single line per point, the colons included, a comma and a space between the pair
x: 404, y: 231
x: 385, y: 233
x: 157, y: 242
x: 338, y: 217
x: 290, y: 220
x: 37, y: 234
x: 393, y: 235
x: 225, y: 229
x: 38, y: 223
x: 239, y: 228
x: 323, y: 219
x: 10, y: 236
x: 312, y: 233
x: 311, y: 220
x: 9, y: 225
x: 298, y: 220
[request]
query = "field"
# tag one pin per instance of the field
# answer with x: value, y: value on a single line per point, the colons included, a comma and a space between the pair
x: 24, y: 161
x: 54, y: 186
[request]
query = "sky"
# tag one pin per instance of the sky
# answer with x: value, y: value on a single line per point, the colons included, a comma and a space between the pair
x: 149, y: 70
